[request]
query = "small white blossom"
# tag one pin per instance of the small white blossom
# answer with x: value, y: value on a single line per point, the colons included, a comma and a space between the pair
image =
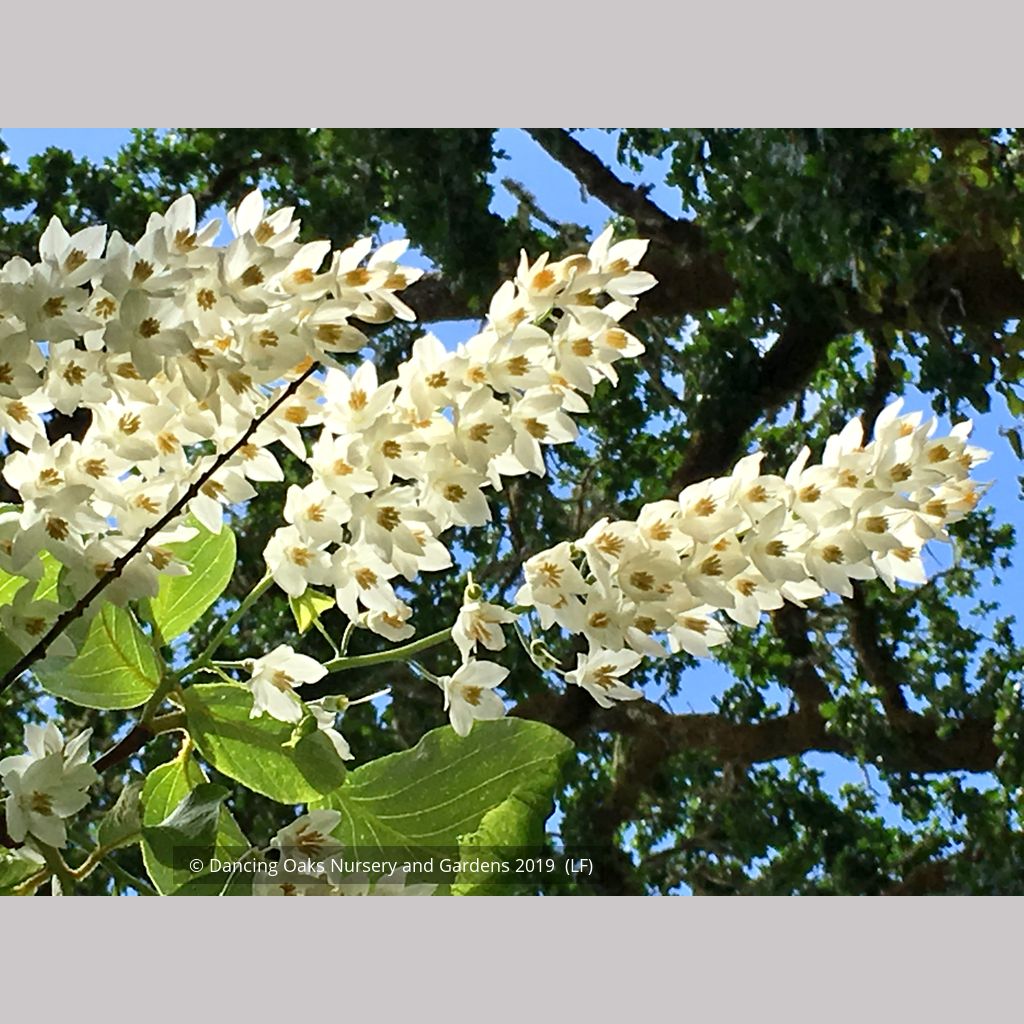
x: 274, y: 678
x: 469, y: 694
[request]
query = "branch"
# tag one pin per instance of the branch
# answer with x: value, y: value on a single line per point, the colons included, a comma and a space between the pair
x: 803, y: 678
x: 595, y: 176
x: 691, y: 277
x: 784, y: 371
x: 656, y: 735
x: 78, y: 609
x: 915, y: 744
x: 876, y: 661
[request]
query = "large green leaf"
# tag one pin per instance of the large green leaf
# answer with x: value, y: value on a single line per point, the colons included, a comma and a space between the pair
x: 165, y: 790
x: 261, y: 753
x: 115, y: 666
x: 442, y: 789
x: 188, y: 835
x: 182, y: 599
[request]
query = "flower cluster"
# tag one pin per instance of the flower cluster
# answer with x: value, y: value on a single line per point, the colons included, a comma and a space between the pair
x: 47, y: 784
x: 174, y: 345
x: 396, y: 463
x: 745, y: 543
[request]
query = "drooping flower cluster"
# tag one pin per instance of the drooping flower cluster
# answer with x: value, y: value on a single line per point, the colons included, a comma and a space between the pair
x: 745, y: 543
x: 174, y: 345
x: 47, y: 784
x: 398, y: 462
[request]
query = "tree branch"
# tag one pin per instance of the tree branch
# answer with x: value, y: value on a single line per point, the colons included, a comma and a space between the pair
x: 803, y: 678
x: 691, y: 276
x: 785, y: 370
x: 65, y: 619
x: 876, y: 661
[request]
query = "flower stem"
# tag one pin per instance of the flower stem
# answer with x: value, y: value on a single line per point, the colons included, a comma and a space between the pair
x: 395, y: 654
x: 55, y: 862
x: 204, y: 659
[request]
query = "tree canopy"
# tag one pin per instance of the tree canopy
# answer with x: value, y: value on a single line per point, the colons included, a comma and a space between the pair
x: 814, y: 276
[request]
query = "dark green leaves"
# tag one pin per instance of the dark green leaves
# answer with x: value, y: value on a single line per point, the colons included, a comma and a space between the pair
x: 121, y: 825
x: 115, y: 666
x: 182, y: 811
x: 182, y: 599
x: 260, y: 752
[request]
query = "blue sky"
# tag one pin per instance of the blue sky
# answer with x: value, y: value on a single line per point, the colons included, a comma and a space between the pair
x: 559, y: 194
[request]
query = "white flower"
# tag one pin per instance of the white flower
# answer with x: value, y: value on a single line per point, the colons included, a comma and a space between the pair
x: 551, y: 577
x: 309, y: 836
x: 360, y: 577
x: 325, y: 712
x: 469, y: 694
x: 46, y: 785
x: 696, y: 632
x: 295, y: 561
x: 599, y: 672
x: 452, y: 493
x: 273, y: 682
x: 480, y: 623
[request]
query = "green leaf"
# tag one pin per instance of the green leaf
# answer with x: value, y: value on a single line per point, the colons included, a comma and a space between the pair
x: 505, y: 831
x: 10, y: 653
x: 165, y: 789
x: 122, y: 824
x: 444, y: 787
x: 46, y: 589
x: 182, y: 599
x: 9, y: 586
x: 14, y: 869
x: 115, y: 667
x: 1013, y: 436
x: 190, y: 832
x: 308, y: 608
x: 259, y: 752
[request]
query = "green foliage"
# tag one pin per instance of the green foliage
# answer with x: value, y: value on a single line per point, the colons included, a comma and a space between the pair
x: 183, y: 599
x: 182, y: 811
x: 499, y: 780
x: 902, y: 248
x: 308, y: 608
x: 114, y: 668
x: 262, y: 753
x: 14, y: 870
x: 122, y: 824
x: 191, y: 828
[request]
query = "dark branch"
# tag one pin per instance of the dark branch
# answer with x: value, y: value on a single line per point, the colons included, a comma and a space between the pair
x: 784, y: 371
x: 876, y: 661
x: 691, y: 276
x: 803, y: 677
x: 65, y: 619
